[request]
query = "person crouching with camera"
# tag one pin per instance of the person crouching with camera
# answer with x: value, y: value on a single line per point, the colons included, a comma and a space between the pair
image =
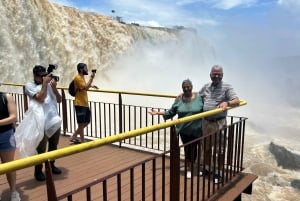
x: 83, y: 112
x: 43, y: 94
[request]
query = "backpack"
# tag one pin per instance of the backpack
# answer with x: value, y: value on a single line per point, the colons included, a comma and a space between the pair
x: 71, y: 88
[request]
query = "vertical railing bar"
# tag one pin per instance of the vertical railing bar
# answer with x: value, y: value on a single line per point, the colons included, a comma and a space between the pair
x: 185, y: 180
x: 104, y: 190
x: 174, y: 166
x: 115, y: 119
x: 204, y: 166
x: 235, y: 128
x: 88, y: 194
x: 51, y: 190
x: 223, y: 151
x: 143, y: 182
x: 131, y: 184
x: 240, y: 145
x: 141, y: 126
x: 146, y: 124
x: 95, y: 120
x: 123, y: 119
x: 163, y: 179
x: 100, y: 119
x: 109, y: 119
x: 129, y: 122
x: 198, y: 168
x: 86, y: 129
x: 104, y: 120
x: 216, y: 167
x: 134, y: 123
x: 154, y: 180
x: 210, y: 163
x: 120, y: 114
x: 229, y: 154
x: 119, y: 180
x: 243, y: 122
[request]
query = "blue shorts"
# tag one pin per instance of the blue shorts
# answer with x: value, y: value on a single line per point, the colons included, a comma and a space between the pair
x: 7, y: 140
x: 83, y: 114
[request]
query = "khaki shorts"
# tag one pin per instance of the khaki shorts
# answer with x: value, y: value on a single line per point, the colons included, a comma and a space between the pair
x: 212, y: 127
x: 209, y: 127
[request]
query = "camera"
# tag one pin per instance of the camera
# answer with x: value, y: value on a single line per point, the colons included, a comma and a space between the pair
x: 94, y: 70
x: 50, y: 69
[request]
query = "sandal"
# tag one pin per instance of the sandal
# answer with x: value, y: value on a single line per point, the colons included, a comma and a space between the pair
x: 75, y: 140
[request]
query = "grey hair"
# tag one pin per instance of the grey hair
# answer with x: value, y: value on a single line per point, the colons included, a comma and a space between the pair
x: 217, y: 66
x: 187, y: 81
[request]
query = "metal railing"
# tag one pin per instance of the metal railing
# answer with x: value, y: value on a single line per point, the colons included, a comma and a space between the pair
x: 108, y: 118
x: 164, y: 184
x: 126, y: 124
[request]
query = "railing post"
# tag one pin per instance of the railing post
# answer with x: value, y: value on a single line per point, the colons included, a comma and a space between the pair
x: 51, y: 192
x: 64, y: 111
x: 174, y: 166
x: 25, y: 100
x: 120, y: 116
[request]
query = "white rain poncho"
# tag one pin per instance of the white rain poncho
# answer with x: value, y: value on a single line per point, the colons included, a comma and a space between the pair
x: 30, y: 131
x: 39, y: 120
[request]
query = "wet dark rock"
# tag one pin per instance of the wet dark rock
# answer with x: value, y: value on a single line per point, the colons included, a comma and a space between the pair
x: 296, y: 184
x: 285, y: 158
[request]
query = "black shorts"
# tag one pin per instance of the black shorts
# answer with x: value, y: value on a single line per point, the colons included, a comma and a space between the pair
x: 83, y: 114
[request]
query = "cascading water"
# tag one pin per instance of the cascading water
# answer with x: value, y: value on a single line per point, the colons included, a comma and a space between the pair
x: 137, y: 58
x: 38, y: 32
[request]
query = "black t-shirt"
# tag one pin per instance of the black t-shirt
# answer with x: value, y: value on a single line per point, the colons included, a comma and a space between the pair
x: 4, y: 112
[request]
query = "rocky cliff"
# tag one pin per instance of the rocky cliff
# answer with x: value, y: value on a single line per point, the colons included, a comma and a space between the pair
x: 39, y: 32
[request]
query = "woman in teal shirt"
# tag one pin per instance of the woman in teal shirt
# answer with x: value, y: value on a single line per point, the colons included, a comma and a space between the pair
x: 186, y: 104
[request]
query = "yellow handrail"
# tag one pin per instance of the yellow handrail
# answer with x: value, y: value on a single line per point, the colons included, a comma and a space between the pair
x: 40, y: 158
x: 106, y: 91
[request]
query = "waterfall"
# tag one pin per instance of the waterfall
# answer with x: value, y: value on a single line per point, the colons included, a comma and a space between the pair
x: 39, y: 32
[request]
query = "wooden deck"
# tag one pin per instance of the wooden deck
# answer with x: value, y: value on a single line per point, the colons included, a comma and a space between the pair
x: 83, y: 168
x: 77, y: 169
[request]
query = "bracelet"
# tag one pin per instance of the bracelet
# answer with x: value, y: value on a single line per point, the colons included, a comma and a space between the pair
x: 228, y: 103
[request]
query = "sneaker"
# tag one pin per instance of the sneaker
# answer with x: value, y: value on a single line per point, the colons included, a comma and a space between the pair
x: 203, y: 172
x: 188, y: 174
x: 39, y: 176
x: 218, y: 179
x: 15, y: 196
x: 55, y: 170
x: 75, y: 141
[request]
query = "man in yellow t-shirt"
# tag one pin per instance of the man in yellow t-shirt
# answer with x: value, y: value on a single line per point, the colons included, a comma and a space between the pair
x: 83, y: 112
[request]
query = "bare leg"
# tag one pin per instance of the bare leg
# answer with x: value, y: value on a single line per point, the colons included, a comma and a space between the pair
x: 7, y: 156
x: 79, y: 132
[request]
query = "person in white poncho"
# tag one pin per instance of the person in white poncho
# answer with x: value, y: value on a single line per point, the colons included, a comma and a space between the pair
x: 42, y: 122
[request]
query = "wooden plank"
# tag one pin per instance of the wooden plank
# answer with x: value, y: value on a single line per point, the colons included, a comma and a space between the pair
x: 86, y: 167
x: 77, y: 170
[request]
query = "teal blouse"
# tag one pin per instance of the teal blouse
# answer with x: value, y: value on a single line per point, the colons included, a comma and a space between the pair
x: 184, y: 109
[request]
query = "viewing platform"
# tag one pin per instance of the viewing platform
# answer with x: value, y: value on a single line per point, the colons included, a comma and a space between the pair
x: 130, y: 156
